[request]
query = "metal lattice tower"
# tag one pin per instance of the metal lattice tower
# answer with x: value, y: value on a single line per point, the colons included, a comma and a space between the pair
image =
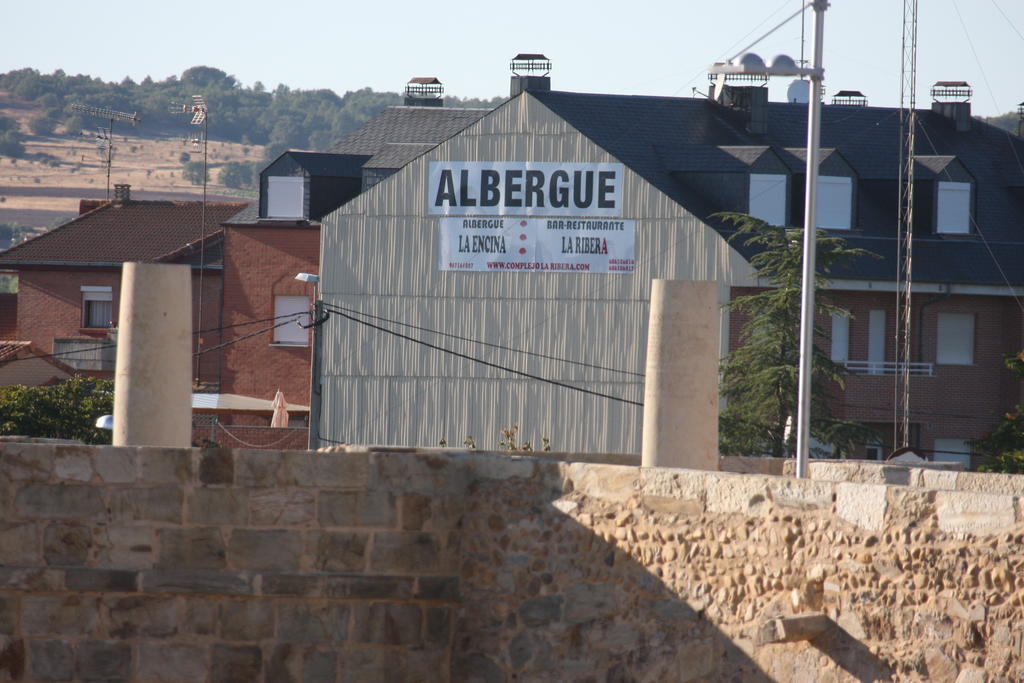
x: 904, y: 260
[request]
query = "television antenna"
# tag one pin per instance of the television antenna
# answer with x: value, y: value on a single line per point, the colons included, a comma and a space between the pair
x: 198, y: 138
x: 106, y: 135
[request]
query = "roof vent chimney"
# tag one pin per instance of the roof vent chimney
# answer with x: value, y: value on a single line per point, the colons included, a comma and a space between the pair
x: 1020, y: 119
x: 529, y: 72
x: 752, y: 99
x: 850, y: 98
x: 424, y: 91
x: 952, y: 99
x: 122, y: 193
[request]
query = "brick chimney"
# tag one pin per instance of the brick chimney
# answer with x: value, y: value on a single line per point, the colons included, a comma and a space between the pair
x: 952, y: 99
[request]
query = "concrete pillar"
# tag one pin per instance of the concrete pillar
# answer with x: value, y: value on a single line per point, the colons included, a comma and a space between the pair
x: 152, y: 383
x: 681, y: 387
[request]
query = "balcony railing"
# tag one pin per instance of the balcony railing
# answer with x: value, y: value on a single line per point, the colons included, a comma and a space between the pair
x: 871, y: 367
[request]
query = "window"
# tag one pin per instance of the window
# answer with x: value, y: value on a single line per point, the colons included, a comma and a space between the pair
x: 954, y: 208
x: 97, y: 306
x: 768, y: 198
x: 840, y: 337
x: 297, y: 310
x: 835, y: 197
x: 955, y: 339
x: 876, y: 342
x: 286, y: 196
x: 952, y: 450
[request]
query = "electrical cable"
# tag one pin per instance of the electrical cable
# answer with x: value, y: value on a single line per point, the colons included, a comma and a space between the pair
x: 488, y: 363
x: 244, y: 337
x: 339, y: 309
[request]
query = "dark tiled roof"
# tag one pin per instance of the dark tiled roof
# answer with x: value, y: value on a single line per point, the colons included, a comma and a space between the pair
x: 425, y: 125
x: 397, y: 154
x: 330, y: 165
x: 657, y: 136
x: 116, y: 232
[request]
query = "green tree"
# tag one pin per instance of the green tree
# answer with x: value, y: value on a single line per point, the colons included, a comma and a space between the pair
x: 238, y: 175
x: 64, y: 411
x: 759, y: 378
x: 1004, y: 445
x: 11, y: 146
x: 193, y: 172
x: 42, y: 125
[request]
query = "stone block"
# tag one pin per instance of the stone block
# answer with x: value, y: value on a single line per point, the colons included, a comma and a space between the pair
x: 437, y: 588
x: 114, y: 465
x: 588, y: 601
x: 438, y: 626
x: 405, y: 552
x: 66, y: 543
x: 200, y: 616
x: 669, y: 505
x: 387, y: 623
x: 863, y: 505
x: 541, y: 611
x: 357, y: 509
x: 278, y: 507
x: 12, y: 658
x: 413, y: 472
x: 246, y: 619
x: 801, y: 494
x: 73, y: 465
x: 216, y: 466
x: 428, y: 665
x: 8, y: 614
x: 30, y: 579
x: 236, y: 664
x: 369, y: 587
x: 19, y: 543
x: 165, y: 465
x: 939, y: 479
x: 292, y: 584
x: 52, y: 660
x: 205, y: 582
x: 673, y: 483
x: 298, y: 468
x: 342, y: 470
x: 127, y: 547
x: 501, y: 467
x: 191, y: 548
x: 258, y: 469
x: 27, y: 462
x: 416, y: 511
x: 59, y: 615
x: 60, y: 501
x: 321, y: 666
x: 338, y: 551
x: 477, y: 667
x: 173, y: 662
x: 121, y: 581
x: 151, y: 503
x: 939, y: 665
x: 218, y: 506
x: 376, y: 664
x: 745, y: 494
x: 610, y: 483
x: 312, y: 623
x: 137, y: 615
x: 970, y: 512
x: 284, y: 662
x: 259, y: 549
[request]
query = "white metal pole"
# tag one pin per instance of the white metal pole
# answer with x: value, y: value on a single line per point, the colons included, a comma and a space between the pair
x: 803, y: 416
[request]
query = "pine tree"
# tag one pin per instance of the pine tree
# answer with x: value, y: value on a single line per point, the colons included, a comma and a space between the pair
x: 759, y: 378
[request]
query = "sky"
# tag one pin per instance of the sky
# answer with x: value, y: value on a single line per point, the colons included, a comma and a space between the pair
x: 645, y: 47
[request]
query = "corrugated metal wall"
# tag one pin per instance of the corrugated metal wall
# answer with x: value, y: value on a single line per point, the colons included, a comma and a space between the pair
x: 379, y: 255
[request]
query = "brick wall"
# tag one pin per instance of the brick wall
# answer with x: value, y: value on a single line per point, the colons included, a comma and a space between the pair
x: 958, y: 401
x: 372, y: 564
x: 261, y: 263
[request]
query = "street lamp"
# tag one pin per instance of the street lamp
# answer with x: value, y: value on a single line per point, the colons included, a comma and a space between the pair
x: 783, y: 65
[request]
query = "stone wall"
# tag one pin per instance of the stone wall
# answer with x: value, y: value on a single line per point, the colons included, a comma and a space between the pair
x: 383, y: 564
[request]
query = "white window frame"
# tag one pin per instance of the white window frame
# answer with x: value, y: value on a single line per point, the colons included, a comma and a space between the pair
x: 954, y: 339
x: 835, y: 202
x: 840, y: 337
x: 767, y: 198
x: 286, y: 196
x: 953, y: 208
x: 101, y: 293
x: 296, y: 308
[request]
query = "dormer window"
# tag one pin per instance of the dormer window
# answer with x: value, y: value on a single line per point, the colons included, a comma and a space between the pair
x: 953, y: 208
x: 835, y: 202
x: 768, y: 197
x: 285, y: 196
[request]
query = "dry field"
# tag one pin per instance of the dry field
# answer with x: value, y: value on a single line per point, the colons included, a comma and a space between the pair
x: 38, y: 193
